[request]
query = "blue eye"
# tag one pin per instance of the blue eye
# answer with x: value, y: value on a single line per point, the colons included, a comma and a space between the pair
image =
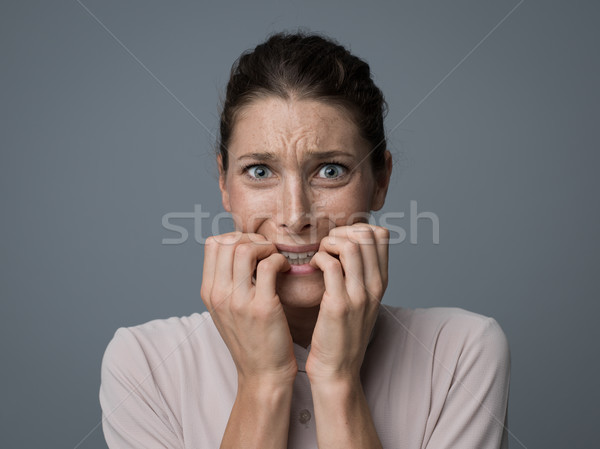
x: 331, y: 171
x: 259, y: 171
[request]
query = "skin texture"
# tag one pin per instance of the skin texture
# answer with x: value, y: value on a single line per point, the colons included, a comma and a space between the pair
x: 283, y: 190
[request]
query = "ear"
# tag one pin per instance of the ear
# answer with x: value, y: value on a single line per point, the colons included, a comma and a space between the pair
x: 382, y: 183
x: 223, y: 185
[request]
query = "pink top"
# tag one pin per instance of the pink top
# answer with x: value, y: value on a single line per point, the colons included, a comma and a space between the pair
x: 434, y: 378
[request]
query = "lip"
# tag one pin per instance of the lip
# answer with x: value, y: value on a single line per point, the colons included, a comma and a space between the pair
x: 303, y: 269
x: 296, y: 270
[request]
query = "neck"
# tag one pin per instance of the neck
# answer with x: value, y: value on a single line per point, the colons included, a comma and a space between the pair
x: 302, y: 323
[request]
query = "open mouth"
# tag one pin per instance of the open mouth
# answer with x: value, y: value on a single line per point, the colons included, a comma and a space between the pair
x: 298, y: 258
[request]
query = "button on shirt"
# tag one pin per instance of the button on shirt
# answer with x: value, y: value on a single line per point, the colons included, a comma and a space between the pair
x: 302, y: 430
x: 433, y: 378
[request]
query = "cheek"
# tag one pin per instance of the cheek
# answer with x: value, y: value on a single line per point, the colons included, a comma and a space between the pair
x: 250, y: 208
x: 346, y: 206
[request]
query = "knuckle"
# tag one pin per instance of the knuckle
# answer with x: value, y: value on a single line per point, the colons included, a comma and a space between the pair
x: 266, y: 265
x: 359, y: 296
x: 352, y: 247
x: 219, y: 293
x: 243, y: 250
x: 363, y: 227
x: 257, y: 238
x: 237, y: 306
x: 332, y: 264
x: 216, y: 304
x: 363, y: 234
x: 338, y: 309
x: 382, y: 234
x: 338, y: 230
x: 230, y: 238
x: 375, y: 289
x: 328, y: 240
x: 318, y: 256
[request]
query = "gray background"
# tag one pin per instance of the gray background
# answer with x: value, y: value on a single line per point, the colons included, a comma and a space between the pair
x: 94, y: 151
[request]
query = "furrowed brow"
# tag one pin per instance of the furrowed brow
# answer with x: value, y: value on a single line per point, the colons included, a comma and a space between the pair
x: 328, y: 154
x: 265, y: 156
x: 324, y: 155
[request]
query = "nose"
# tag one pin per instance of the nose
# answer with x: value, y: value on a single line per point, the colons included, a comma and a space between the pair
x: 294, y: 208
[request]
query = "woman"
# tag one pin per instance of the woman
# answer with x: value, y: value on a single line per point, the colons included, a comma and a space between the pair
x: 295, y: 350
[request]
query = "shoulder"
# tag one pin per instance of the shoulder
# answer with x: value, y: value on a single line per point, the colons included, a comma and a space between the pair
x: 157, y: 334
x: 145, y: 369
x: 447, y: 330
x: 449, y: 320
x: 152, y: 375
x: 161, y: 343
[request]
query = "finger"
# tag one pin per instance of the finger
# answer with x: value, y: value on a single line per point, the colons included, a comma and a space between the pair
x: 333, y: 275
x: 223, y: 279
x: 382, y: 237
x: 245, y: 259
x: 374, y: 242
x: 371, y: 268
x: 266, y: 274
x: 208, y: 271
x: 361, y: 233
x: 350, y: 256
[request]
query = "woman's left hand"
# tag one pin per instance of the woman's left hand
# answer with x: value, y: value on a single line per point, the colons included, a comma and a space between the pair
x: 354, y: 261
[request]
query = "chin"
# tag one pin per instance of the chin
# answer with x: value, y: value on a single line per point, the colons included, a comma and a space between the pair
x: 301, y: 291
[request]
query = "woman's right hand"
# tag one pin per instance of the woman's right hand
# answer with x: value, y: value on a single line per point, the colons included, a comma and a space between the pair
x: 249, y: 315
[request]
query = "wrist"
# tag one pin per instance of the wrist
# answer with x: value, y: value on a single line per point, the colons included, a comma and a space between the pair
x: 260, y: 415
x: 265, y: 395
x: 265, y: 384
x: 330, y: 379
x: 335, y: 387
x: 342, y: 405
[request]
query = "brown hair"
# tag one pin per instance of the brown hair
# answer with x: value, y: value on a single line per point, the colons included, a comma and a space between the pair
x: 306, y: 66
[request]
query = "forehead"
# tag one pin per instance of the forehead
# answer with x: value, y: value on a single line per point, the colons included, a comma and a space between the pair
x: 293, y: 128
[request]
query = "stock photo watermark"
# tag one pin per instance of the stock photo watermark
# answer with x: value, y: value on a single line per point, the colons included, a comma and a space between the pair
x: 205, y: 224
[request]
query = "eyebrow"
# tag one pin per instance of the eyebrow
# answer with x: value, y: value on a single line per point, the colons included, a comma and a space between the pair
x: 265, y: 156
x: 269, y: 156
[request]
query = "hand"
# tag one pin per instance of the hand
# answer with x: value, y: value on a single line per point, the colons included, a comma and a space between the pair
x: 355, y: 281
x: 249, y: 315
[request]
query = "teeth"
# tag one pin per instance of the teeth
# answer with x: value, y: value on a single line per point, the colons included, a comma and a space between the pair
x: 298, y: 258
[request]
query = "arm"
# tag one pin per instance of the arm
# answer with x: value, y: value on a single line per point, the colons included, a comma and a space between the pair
x: 260, y: 417
x: 252, y: 323
x: 342, y: 408
x: 354, y: 263
x: 133, y: 412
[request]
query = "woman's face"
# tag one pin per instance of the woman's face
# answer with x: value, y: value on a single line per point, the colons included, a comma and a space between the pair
x: 297, y: 169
